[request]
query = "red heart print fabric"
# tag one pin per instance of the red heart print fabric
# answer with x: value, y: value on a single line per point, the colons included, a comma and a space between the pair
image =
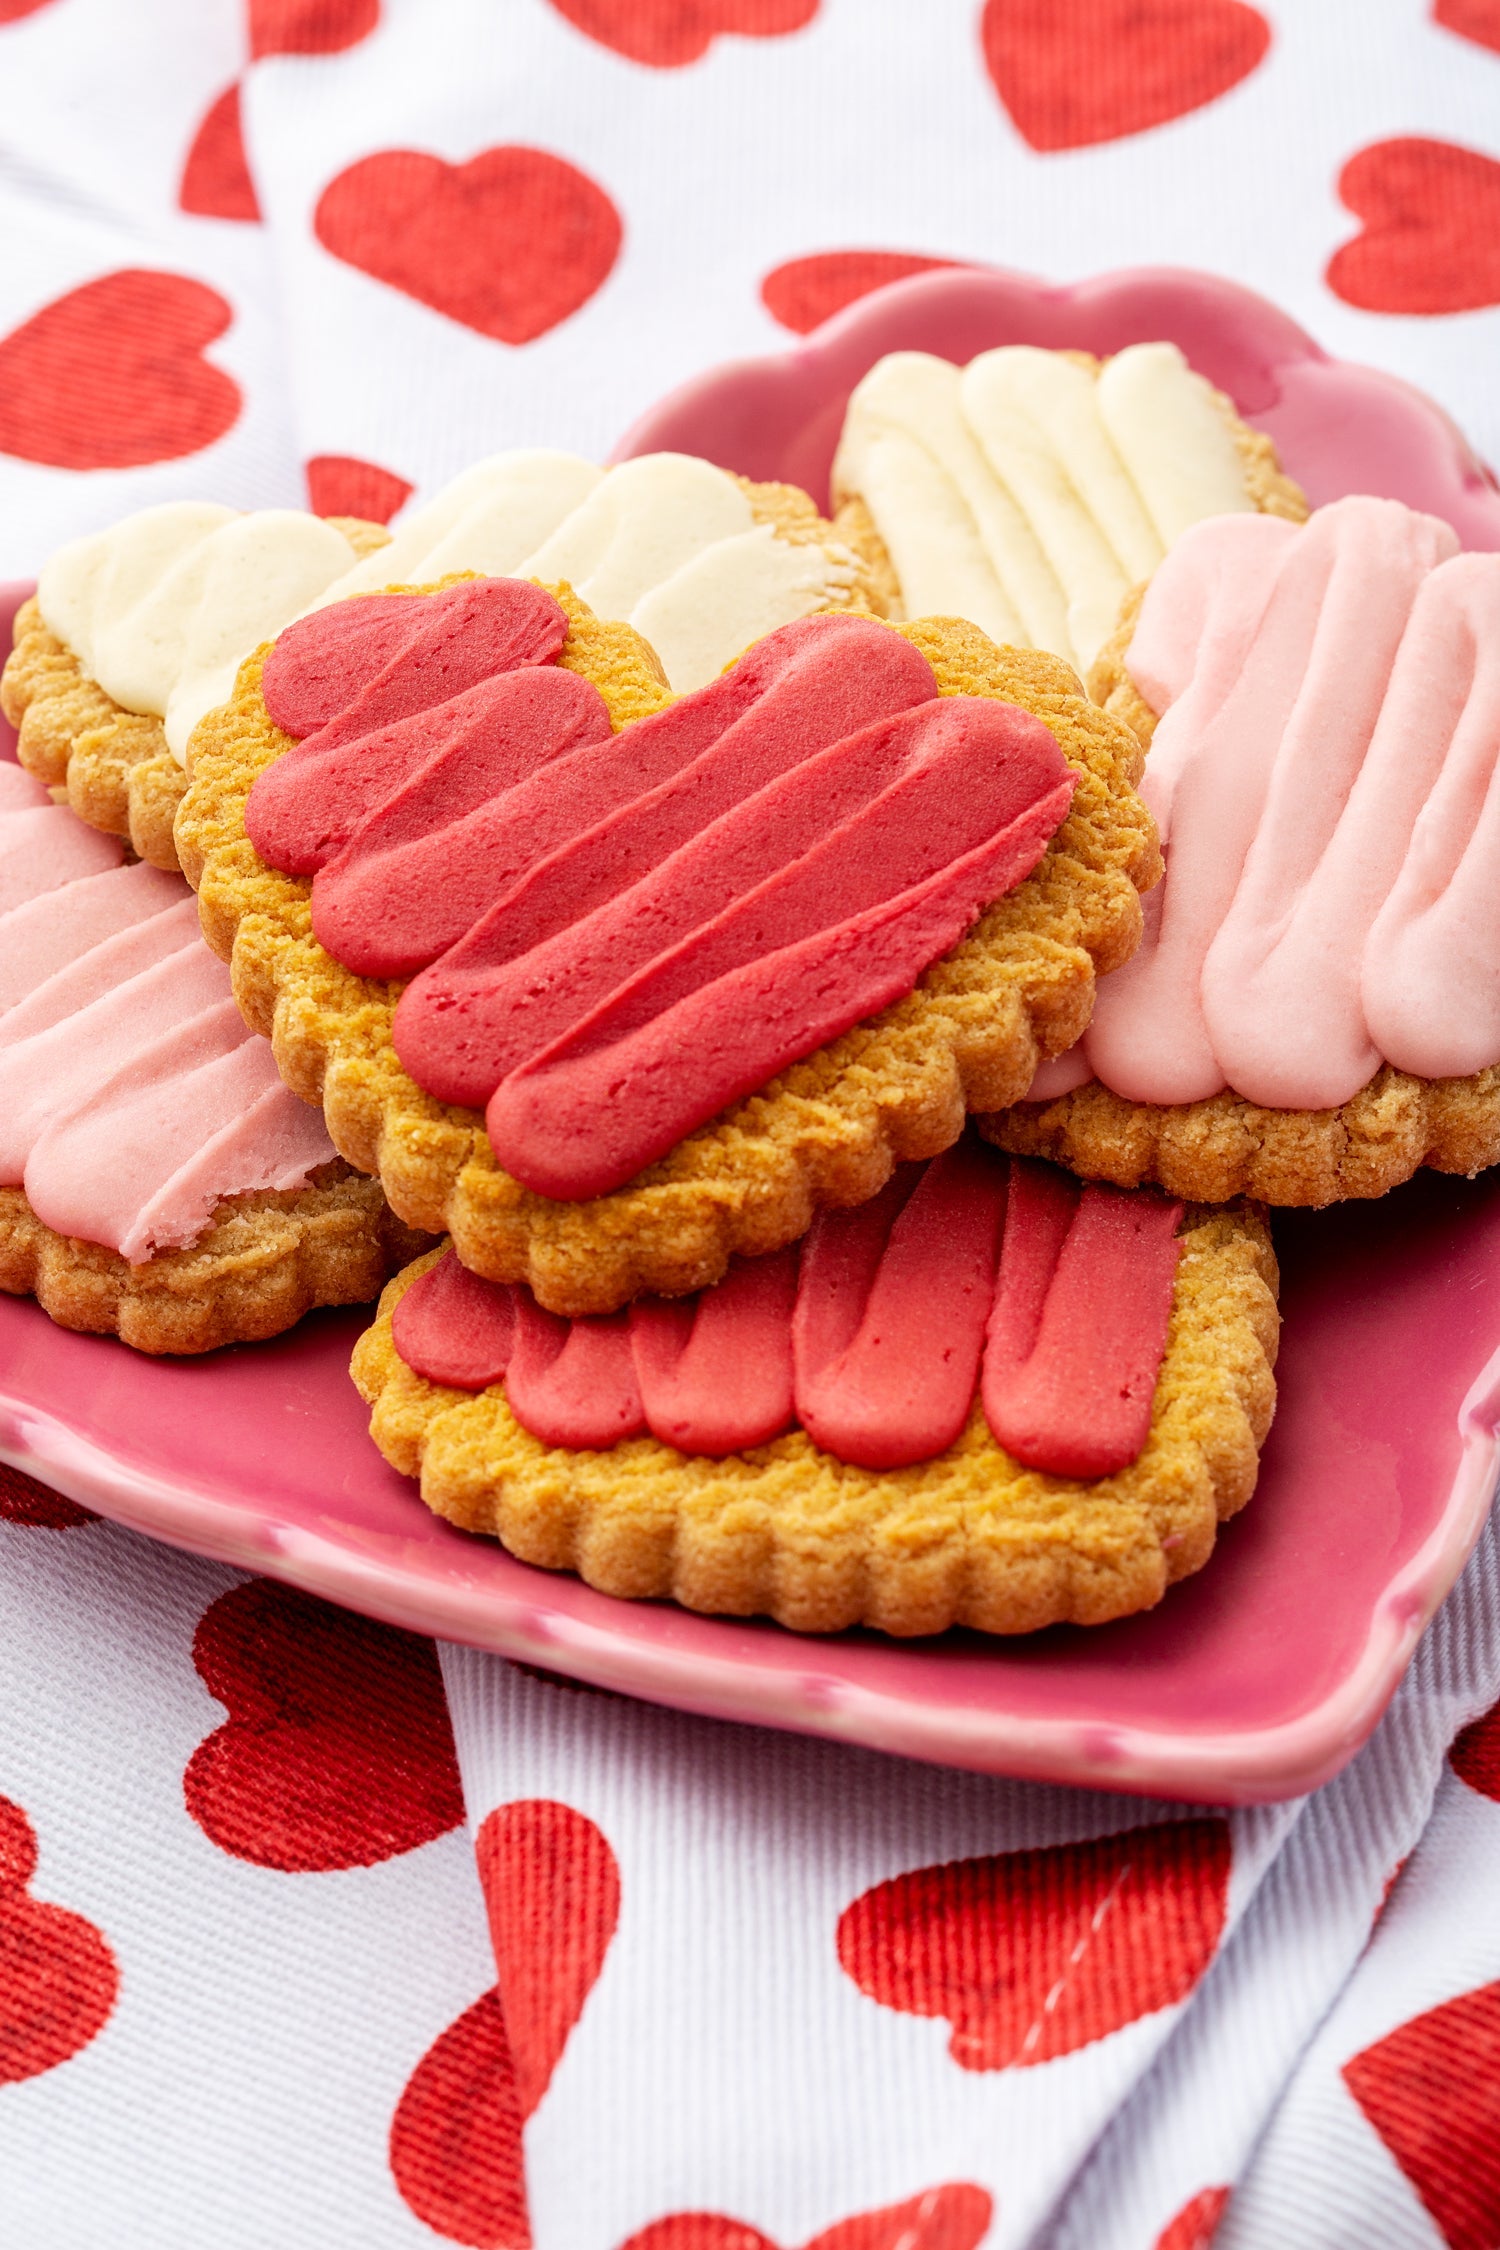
x: 1431, y: 237
x: 807, y: 291
x: 23, y: 1500
x: 668, y: 33
x: 552, y: 1892
x: 1431, y: 2090
x: 309, y: 27
x: 1074, y: 72
x: 113, y: 375
x: 58, y: 1977
x: 1478, y: 20
x: 1475, y: 1756
x: 508, y: 244
x: 956, y: 2217
x: 337, y: 1751
x: 1033, y: 1954
x: 338, y: 484
x: 216, y: 182
x: 1196, y: 2223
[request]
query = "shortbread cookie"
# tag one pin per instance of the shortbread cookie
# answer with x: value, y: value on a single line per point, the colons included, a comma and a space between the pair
x: 701, y: 563
x: 844, y: 1030
x: 903, y: 1425
x: 261, y: 1262
x: 157, y: 1180
x: 1315, y: 1010
x: 138, y: 630
x: 1030, y: 490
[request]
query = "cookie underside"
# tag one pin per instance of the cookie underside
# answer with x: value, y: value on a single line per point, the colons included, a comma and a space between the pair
x: 262, y: 1261
x: 1226, y: 1146
x: 113, y: 764
x: 827, y: 1131
x: 785, y: 1531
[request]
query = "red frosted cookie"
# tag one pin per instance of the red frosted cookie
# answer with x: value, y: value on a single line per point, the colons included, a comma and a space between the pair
x: 988, y: 1396
x: 615, y: 986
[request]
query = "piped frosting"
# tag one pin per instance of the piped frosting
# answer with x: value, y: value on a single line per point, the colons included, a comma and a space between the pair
x: 1049, y: 1299
x: 1324, y: 776
x: 1027, y: 493
x: 132, y: 1097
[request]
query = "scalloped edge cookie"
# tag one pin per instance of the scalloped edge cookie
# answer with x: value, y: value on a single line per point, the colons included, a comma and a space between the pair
x: 785, y: 1531
x: 262, y: 1261
x: 1226, y: 1146
x: 1272, y: 492
x: 111, y: 765
x: 828, y: 1131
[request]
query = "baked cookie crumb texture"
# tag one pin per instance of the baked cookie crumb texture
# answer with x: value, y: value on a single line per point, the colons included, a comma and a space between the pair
x: 785, y: 1530
x: 1018, y: 988
x: 261, y: 1263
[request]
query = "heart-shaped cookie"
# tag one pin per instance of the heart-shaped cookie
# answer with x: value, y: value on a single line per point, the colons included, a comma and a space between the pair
x: 58, y: 1977
x: 1074, y: 72
x: 1431, y: 240
x: 1033, y: 1954
x: 807, y: 291
x: 508, y: 244
x: 337, y: 1751
x: 669, y: 33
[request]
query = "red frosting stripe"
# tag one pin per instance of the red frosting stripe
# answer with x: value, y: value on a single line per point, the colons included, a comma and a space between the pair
x: 1078, y: 1401
x: 441, y: 764
x: 456, y: 1329
x: 573, y: 1382
x: 406, y: 660
x: 646, y: 1067
x: 715, y: 1370
x: 891, y: 1311
x: 871, y: 1336
x: 534, y: 862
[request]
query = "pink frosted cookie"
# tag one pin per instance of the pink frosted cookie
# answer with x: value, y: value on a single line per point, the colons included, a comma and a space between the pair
x: 986, y: 1397
x: 1314, y: 1010
x: 157, y: 1180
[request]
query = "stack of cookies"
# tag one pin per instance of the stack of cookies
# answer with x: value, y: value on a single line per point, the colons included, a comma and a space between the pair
x: 740, y: 950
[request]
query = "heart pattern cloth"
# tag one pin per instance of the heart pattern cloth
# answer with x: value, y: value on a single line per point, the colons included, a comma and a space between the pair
x: 311, y: 1932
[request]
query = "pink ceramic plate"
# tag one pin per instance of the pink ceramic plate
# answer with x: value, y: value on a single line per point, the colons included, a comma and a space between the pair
x: 1255, y: 1680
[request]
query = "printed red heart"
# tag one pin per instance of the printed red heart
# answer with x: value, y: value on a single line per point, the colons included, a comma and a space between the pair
x: 1431, y: 2090
x: 338, y: 484
x: 945, y: 2218
x: 552, y: 1893
x: 337, y: 1751
x: 669, y: 33
x: 58, y: 1977
x: 1471, y: 19
x: 216, y: 182
x: 455, y: 2146
x: 111, y: 375
x: 309, y: 27
x: 1475, y: 1756
x: 509, y: 244
x: 1074, y: 72
x: 1431, y: 241
x: 807, y: 291
x: 24, y: 1501
x: 1033, y: 1954
x: 1196, y: 2223
x: 552, y: 1890
x: 11, y: 11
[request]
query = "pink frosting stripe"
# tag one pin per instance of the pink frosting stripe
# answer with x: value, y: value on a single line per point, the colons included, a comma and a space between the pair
x: 132, y: 1097
x: 42, y: 846
x: 871, y: 1336
x: 1324, y: 777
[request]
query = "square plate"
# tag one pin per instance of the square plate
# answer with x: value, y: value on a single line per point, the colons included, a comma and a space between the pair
x: 1255, y: 1680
